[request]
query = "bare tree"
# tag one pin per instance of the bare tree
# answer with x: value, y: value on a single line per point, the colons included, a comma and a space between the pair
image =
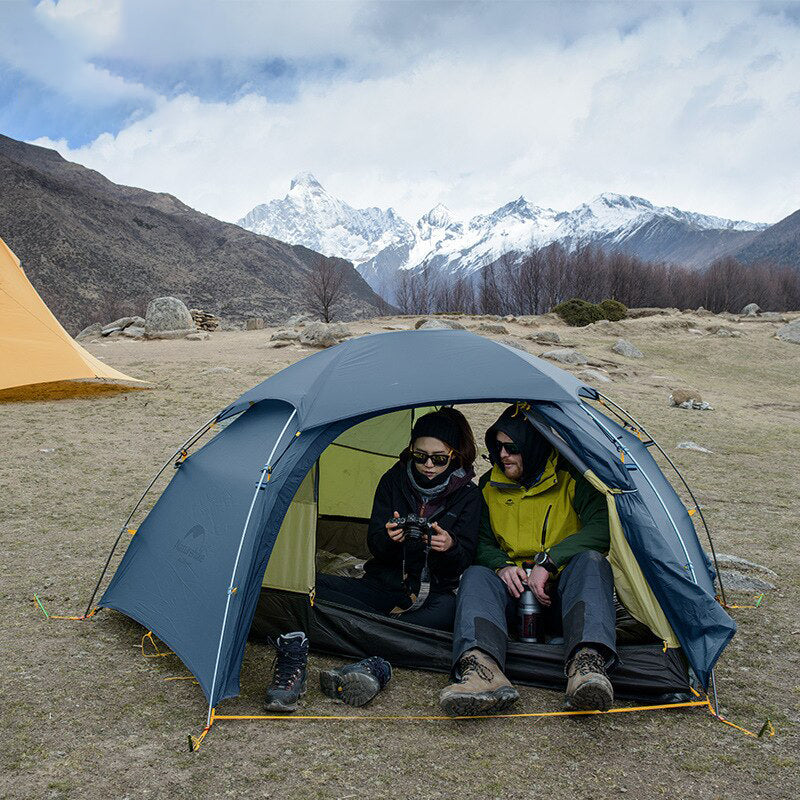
x: 325, y: 287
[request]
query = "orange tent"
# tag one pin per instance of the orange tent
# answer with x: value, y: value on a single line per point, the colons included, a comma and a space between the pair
x: 37, y: 356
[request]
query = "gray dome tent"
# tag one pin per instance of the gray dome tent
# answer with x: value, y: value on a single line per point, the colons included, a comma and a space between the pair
x: 245, y: 508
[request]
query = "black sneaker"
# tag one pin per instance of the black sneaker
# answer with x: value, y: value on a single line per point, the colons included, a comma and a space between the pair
x: 289, y: 675
x: 356, y: 684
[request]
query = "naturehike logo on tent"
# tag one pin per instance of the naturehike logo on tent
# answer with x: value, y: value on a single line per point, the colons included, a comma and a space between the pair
x: 193, y: 543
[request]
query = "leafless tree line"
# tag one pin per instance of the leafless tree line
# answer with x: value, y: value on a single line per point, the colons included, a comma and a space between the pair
x: 534, y: 282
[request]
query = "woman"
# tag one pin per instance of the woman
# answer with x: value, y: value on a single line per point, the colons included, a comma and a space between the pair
x: 415, y: 568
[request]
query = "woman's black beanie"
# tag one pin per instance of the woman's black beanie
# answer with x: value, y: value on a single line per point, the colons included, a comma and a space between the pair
x: 440, y: 425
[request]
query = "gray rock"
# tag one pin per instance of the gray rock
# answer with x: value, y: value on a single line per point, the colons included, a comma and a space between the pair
x: 509, y: 318
x: 544, y: 337
x: 789, y: 333
x: 493, y: 327
x: 320, y: 334
x: 254, y: 324
x: 594, y: 376
x: 735, y: 581
x: 625, y: 348
x: 167, y: 318
x: 727, y: 561
x: 298, y: 320
x: 285, y: 336
x: 198, y: 336
x: 695, y: 331
x: 515, y: 344
x: 429, y: 324
x: 280, y: 343
x: 566, y: 356
x: 692, y: 446
x: 724, y: 330
x: 339, y: 330
x: 751, y: 310
x: 90, y: 331
x: 134, y: 331
x: 121, y: 324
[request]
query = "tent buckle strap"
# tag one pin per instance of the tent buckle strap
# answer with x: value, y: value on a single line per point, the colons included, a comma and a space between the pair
x: 233, y: 590
x: 183, y: 456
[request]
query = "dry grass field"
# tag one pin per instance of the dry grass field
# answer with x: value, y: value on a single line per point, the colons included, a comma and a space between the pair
x: 83, y: 715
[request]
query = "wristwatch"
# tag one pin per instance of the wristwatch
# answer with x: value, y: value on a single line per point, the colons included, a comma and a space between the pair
x: 543, y: 560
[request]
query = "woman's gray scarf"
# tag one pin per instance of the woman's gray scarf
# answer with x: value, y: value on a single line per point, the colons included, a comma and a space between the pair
x: 433, y: 491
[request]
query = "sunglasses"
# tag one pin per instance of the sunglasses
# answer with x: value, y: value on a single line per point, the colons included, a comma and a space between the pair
x: 437, y: 459
x: 510, y: 448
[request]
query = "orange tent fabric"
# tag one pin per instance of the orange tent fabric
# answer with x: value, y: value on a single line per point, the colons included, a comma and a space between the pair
x: 35, y: 351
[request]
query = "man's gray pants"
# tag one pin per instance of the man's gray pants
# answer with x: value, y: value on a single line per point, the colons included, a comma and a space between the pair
x: 585, y: 596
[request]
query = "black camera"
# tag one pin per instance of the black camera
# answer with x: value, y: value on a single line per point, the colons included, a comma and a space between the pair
x: 415, y: 528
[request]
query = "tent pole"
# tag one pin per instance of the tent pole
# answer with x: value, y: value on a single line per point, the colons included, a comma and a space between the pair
x: 589, y: 411
x: 265, y: 472
x: 195, y: 437
x: 685, y: 484
x: 714, y: 690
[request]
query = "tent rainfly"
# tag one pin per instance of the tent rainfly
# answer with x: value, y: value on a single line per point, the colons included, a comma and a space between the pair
x: 234, y: 534
x: 38, y: 356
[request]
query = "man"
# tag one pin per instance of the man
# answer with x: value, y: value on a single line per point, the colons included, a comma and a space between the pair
x: 535, y: 508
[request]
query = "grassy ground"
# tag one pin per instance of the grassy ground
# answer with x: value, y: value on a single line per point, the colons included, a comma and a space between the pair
x: 83, y: 715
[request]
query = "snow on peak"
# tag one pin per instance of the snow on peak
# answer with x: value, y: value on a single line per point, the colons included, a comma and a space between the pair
x: 438, y: 217
x: 305, y: 180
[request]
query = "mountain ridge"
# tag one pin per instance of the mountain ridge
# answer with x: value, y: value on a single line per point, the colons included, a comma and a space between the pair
x: 89, y: 245
x: 442, y: 243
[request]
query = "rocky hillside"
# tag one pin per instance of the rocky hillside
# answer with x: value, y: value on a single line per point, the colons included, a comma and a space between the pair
x: 95, y: 250
x: 779, y: 244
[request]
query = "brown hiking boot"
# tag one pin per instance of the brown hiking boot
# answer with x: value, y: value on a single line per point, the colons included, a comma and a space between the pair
x: 480, y: 688
x: 588, y: 686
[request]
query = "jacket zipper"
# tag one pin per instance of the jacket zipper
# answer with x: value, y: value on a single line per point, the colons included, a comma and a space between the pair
x: 544, y: 526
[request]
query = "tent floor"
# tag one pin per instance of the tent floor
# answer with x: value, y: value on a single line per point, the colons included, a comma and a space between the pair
x: 645, y: 672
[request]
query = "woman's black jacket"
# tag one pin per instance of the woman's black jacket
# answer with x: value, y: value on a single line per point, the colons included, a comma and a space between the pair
x: 457, y: 510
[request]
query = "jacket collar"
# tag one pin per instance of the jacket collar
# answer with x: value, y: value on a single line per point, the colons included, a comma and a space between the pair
x: 548, y: 479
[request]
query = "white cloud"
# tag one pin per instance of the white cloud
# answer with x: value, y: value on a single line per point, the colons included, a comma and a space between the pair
x: 697, y: 108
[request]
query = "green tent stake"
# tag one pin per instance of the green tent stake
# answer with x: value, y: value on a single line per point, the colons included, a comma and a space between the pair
x: 39, y: 603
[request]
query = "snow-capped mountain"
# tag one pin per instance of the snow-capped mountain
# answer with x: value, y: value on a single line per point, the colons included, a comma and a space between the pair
x: 380, y: 242
x: 308, y: 215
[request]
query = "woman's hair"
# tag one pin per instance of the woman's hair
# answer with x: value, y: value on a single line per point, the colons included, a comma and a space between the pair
x: 449, y: 426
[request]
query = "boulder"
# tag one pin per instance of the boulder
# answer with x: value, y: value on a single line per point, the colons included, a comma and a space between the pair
x: 692, y: 446
x: 90, y: 331
x: 723, y: 330
x: 437, y: 323
x: 789, y: 333
x: 204, y: 320
x: 514, y: 343
x: 566, y: 356
x: 254, y: 324
x: 285, y: 336
x: 167, y: 318
x: 298, y: 321
x: 625, y: 348
x: 198, y: 336
x: 134, y: 331
x: 339, y: 330
x: 320, y: 334
x: 594, y: 376
x: 509, y: 318
x: 735, y: 581
x: 680, y: 396
x: 726, y: 561
x: 493, y: 327
x: 544, y: 337
x: 751, y: 310
x: 119, y: 324
x: 280, y: 343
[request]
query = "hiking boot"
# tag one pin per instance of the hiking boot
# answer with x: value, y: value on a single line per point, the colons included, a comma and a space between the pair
x: 480, y: 687
x: 289, y: 675
x: 356, y: 684
x: 588, y: 686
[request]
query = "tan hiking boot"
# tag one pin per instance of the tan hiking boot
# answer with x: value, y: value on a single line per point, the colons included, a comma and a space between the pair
x: 480, y: 688
x: 588, y: 686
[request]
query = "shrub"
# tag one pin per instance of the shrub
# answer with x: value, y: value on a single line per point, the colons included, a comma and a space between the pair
x: 578, y: 313
x: 614, y: 310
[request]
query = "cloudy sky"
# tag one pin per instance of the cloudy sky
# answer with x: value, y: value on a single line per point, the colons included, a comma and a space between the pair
x: 413, y: 103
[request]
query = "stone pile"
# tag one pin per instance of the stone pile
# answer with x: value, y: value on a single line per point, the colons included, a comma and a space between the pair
x: 204, y: 320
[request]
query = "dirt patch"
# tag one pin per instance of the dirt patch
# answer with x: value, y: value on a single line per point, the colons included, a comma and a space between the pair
x: 85, y: 716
